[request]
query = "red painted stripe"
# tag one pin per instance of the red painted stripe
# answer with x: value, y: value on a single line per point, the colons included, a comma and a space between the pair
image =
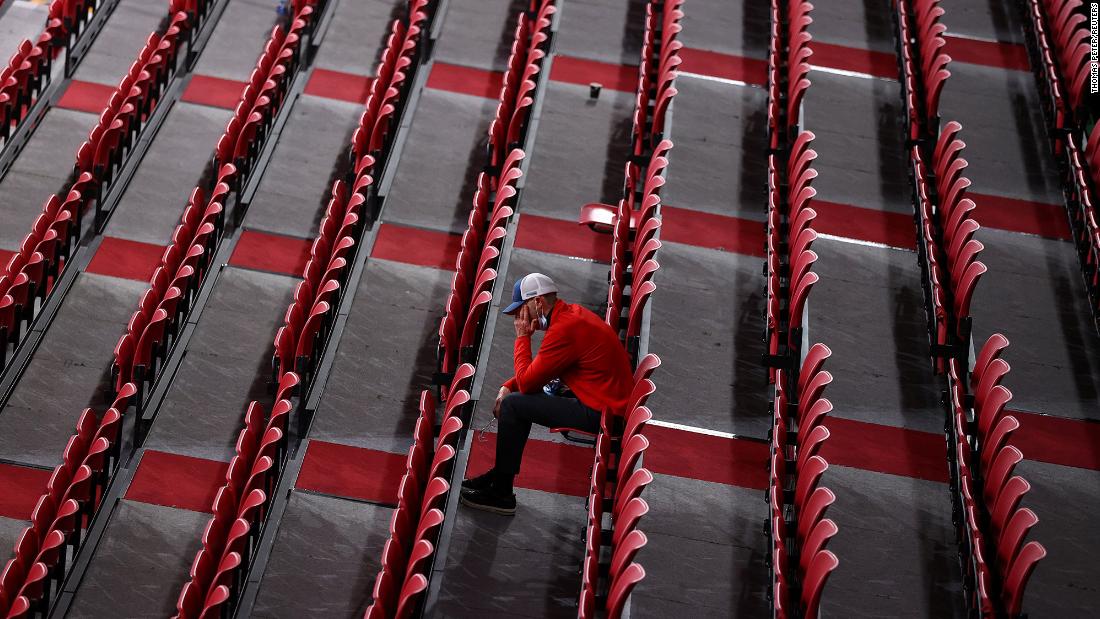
x: 732, y: 234
x: 214, y: 91
x: 20, y: 488
x: 735, y: 462
x: 1058, y: 440
x: 465, y: 80
x: 426, y: 248
x: 547, y: 465
x: 580, y: 71
x: 1046, y: 220
x: 271, y: 252
x: 991, y: 54
x: 86, y: 97
x: 879, y: 64
x: 886, y: 449
x: 177, y: 481
x: 726, y: 66
x: 126, y: 259
x: 338, y: 85
x: 864, y: 224
x: 351, y: 472
x: 566, y: 238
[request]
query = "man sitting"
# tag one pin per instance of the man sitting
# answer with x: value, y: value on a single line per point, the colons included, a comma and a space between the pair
x: 581, y: 350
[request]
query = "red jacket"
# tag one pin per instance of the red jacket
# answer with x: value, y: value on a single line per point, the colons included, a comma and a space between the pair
x: 581, y: 350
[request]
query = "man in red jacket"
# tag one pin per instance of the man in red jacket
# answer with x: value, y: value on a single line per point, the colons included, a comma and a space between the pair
x: 581, y: 350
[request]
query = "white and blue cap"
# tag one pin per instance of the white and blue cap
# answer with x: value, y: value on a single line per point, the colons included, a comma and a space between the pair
x: 528, y: 287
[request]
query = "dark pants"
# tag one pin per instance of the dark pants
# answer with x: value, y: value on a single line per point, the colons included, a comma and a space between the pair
x: 518, y: 411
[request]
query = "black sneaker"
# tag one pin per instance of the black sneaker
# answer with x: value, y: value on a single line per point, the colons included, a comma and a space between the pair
x: 481, y: 482
x: 489, y: 501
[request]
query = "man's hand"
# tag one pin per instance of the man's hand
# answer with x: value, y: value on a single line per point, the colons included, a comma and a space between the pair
x: 504, y: 391
x: 524, y: 322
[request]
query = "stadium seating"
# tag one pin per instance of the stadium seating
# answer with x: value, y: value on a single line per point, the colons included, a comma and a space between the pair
x: 229, y: 542
x: 422, y: 498
x: 1060, y: 57
x: 65, y: 553
x: 471, y: 292
x: 797, y: 528
x: 1059, y: 45
x: 43, y: 551
x: 462, y: 325
x: 409, y: 553
x: 32, y: 272
x: 30, y: 69
x: 300, y: 342
x: 635, y: 221
x: 618, y: 478
x: 187, y: 259
x: 790, y: 215
x: 230, y: 539
x: 161, y: 308
x: 993, y: 526
x: 985, y: 499
x: 614, y: 504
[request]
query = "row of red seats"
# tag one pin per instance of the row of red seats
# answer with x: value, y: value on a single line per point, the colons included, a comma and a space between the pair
x: 186, y: 260
x: 789, y: 231
x: 947, y: 251
x: 30, y: 274
x: 30, y: 68
x: 44, y: 550
x: 309, y: 318
x: 263, y: 95
x: 985, y: 499
x: 23, y: 80
x: 991, y: 526
x: 517, y: 91
x: 471, y: 292
x: 634, y: 246
x: 797, y: 527
x: 129, y: 107
x: 67, y: 20
x: 494, y: 201
x: 1059, y: 44
x: 635, y: 221
x: 1061, y: 54
x: 614, y: 503
x: 408, y: 555
x: 947, y: 247
x: 657, y: 71
x: 614, y: 506
x: 240, y: 507
x: 389, y: 89
x: 923, y: 63
x: 422, y: 494
x: 789, y: 235
x: 788, y: 65
x: 1081, y: 175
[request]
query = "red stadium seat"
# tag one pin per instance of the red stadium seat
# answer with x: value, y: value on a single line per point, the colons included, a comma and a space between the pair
x: 1021, y: 567
x: 624, y: 584
x: 820, y: 566
x: 411, y: 594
